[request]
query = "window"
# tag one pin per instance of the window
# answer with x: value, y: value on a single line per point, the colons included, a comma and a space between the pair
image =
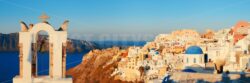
x: 187, y: 60
x: 217, y: 53
x: 245, y: 51
x: 194, y: 60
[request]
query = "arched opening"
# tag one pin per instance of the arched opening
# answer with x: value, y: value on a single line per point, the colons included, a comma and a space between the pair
x: 40, y: 54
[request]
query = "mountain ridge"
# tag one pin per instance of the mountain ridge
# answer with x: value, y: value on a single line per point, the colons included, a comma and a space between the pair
x: 9, y: 42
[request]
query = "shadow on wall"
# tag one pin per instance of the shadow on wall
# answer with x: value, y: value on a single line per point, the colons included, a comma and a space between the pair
x: 199, y: 70
x: 224, y: 79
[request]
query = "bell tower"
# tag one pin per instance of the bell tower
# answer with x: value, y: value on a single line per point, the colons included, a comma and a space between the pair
x: 28, y: 37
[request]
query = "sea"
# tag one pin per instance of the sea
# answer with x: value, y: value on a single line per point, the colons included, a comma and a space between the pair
x: 9, y: 64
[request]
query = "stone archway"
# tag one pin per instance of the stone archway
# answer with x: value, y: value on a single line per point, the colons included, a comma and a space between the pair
x: 28, y: 50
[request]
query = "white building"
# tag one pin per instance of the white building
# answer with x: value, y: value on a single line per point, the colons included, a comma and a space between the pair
x: 194, y: 56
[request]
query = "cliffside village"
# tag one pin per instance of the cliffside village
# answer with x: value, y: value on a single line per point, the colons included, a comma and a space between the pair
x: 226, y: 50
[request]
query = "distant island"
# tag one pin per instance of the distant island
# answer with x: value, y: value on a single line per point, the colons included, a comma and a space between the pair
x: 9, y: 42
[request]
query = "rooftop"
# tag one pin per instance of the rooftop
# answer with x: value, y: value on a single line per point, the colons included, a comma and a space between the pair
x: 194, y: 50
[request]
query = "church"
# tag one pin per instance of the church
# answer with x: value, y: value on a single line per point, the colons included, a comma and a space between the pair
x: 194, y: 56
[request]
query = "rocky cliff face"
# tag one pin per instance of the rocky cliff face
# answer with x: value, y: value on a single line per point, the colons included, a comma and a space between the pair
x: 97, y: 67
x: 9, y: 42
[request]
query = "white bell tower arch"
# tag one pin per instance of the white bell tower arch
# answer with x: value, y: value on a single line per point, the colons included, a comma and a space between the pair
x: 28, y: 53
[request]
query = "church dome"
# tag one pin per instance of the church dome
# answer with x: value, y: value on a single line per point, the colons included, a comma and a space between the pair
x: 194, y: 50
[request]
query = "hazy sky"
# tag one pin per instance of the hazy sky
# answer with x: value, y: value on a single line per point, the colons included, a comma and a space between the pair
x: 125, y: 16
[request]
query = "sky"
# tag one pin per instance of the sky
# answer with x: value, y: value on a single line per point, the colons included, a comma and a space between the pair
x: 125, y: 17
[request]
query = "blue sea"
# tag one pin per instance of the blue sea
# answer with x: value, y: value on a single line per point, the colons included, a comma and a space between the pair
x: 9, y: 64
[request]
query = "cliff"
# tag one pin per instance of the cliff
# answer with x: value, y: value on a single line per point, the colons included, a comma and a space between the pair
x: 97, y: 67
x: 9, y: 42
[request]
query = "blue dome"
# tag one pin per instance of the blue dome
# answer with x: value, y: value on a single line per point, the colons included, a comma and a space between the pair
x: 156, y: 52
x: 194, y: 50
